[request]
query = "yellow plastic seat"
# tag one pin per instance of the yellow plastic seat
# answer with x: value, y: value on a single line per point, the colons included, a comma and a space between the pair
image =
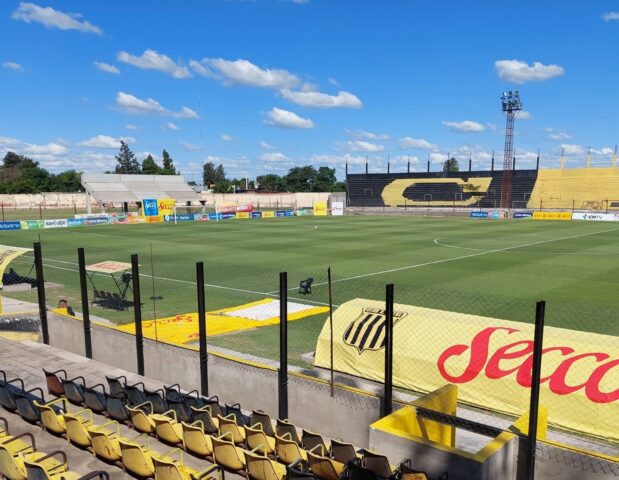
x: 288, y: 451
x: 167, y: 468
x: 140, y: 419
x: 261, y: 467
x: 196, y: 441
x: 48, y: 467
x: 257, y: 440
x: 76, y: 425
x: 228, y: 425
x: 227, y: 455
x: 137, y: 458
x: 322, y: 466
x: 14, y: 445
x: 105, y: 443
x: 167, y: 427
x: 52, y: 421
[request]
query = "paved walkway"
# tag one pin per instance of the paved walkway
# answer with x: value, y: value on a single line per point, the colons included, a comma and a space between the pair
x: 26, y: 359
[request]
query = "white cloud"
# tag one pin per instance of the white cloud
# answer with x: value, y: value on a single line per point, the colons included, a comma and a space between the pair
x: 13, y: 66
x: 299, y: 2
x: 189, y: 147
x: 136, y: 106
x: 334, y: 82
x: 107, y: 68
x: 557, y: 135
x: 338, y: 159
x: 129, y: 126
x: 367, y: 135
x: 186, y: 112
x: 226, y: 138
x: 465, y: 126
x: 322, y: 100
x: 30, y: 12
x: 518, y: 71
x: 286, y: 119
x: 152, y: 60
x: 524, y: 115
x: 170, y: 126
x: 571, y: 149
x: 608, y: 16
x: 43, y: 153
x: 243, y: 72
x: 266, y: 146
x: 361, y: 146
x: 273, y: 157
x: 419, y: 143
x: 105, y: 141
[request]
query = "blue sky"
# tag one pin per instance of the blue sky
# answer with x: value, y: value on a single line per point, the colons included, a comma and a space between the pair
x: 263, y: 85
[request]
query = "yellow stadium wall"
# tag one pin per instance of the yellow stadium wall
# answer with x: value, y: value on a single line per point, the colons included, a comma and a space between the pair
x: 580, y: 188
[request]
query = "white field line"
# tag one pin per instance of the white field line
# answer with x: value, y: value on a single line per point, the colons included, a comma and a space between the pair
x: 453, y: 259
x: 437, y: 241
x: 176, y: 280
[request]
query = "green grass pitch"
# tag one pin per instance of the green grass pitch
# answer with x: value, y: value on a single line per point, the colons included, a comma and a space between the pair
x: 491, y: 268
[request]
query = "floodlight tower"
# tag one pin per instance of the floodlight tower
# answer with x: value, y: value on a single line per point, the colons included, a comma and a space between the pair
x: 511, y: 104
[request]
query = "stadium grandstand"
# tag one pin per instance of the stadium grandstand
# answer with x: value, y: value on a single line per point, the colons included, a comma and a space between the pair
x: 574, y: 188
x: 110, y: 189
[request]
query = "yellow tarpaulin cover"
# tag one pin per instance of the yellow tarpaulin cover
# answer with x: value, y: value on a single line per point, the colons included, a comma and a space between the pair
x: 489, y: 359
x: 184, y: 328
x: 7, y: 255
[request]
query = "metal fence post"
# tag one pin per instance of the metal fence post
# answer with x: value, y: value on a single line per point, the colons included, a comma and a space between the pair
x: 388, y: 397
x: 536, y: 373
x: 137, y: 313
x: 202, y: 329
x: 81, y: 259
x: 283, y: 345
x: 38, y: 264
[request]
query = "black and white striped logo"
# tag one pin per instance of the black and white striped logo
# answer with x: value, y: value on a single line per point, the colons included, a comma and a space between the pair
x: 367, y: 331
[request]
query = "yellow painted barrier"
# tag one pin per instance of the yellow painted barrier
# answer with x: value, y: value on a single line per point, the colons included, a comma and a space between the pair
x: 268, y: 214
x: 489, y: 359
x: 242, y: 214
x: 320, y: 209
x: 552, y: 215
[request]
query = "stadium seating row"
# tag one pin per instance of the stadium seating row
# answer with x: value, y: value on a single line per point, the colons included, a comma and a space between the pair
x: 249, y: 444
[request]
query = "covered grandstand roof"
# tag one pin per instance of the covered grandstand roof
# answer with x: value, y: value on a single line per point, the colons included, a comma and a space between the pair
x: 108, y: 188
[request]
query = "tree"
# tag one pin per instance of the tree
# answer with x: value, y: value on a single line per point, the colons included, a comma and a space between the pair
x: 168, y: 164
x: 451, y: 165
x: 325, y: 180
x: 212, y: 175
x: 300, y: 179
x: 68, y: 181
x: 126, y: 161
x: 149, y: 166
x: 270, y: 182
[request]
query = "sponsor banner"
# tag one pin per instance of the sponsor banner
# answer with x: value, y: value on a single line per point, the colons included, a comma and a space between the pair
x: 154, y: 219
x: 220, y: 216
x: 523, y: 214
x: 90, y: 215
x: 479, y: 214
x: 289, y: 213
x: 8, y: 254
x: 56, y: 223
x: 134, y: 219
x: 75, y: 222
x: 200, y: 217
x: 96, y: 220
x: 256, y: 214
x: 119, y: 219
x: 242, y: 214
x: 268, y: 214
x: 178, y: 218
x: 31, y: 224
x: 596, y: 217
x: 320, y: 209
x: 490, y: 360
x: 247, y: 207
x: 10, y: 225
x: 303, y: 212
x: 150, y: 206
x: 165, y: 206
x: 552, y: 215
x: 499, y: 215
x: 337, y: 209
